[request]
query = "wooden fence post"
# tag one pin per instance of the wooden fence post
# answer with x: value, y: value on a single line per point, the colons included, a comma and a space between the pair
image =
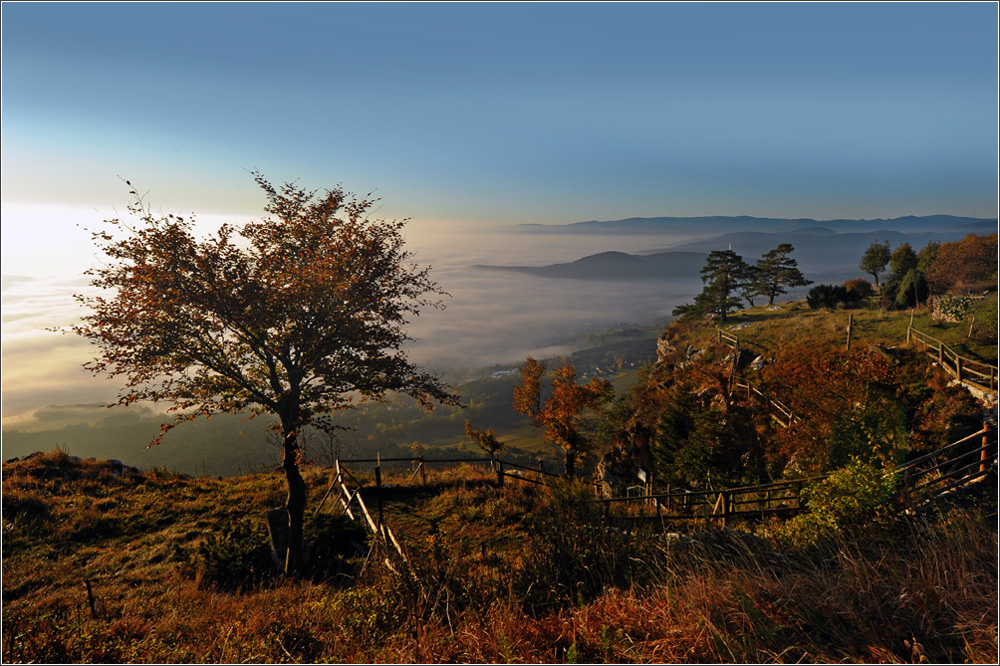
x: 423, y: 472
x: 378, y: 491
x: 958, y: 368
x: 850, y: 329
x: 499, y: 468
x: 90, y: 599
x: 982, y: 454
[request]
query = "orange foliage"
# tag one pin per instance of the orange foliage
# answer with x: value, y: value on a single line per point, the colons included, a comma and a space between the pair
x: 967, y: 263
x: 826, y: 388
x: 562, y: 412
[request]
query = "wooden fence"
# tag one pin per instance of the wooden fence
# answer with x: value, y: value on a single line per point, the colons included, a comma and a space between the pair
x: 732, y: 341
x: 922, y: 479
x: 781, y: 498
x: 936, y: 474
x: 346, y: 489
x: 385, y: 542
x: 967, y: 370
x: 780, y: 412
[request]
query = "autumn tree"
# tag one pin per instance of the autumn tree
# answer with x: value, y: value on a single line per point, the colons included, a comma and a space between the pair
x: 562, y: 413
x: 967, y: 263
x: 485, y: 440
x: 875, y: 259
x: 299, y: 314
x: 776, y: 272
x: 850, y: 402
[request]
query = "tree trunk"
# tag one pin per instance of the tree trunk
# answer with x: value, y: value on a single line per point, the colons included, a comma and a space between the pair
x: 295, y: 504
x: 570, y: 468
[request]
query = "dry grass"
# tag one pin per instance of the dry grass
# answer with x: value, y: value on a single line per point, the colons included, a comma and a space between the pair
x: 519, y: 574
x: 767, y: 330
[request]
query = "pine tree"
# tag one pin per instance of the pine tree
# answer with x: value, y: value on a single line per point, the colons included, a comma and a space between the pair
x: 724, y: 275
x: 777, y: 272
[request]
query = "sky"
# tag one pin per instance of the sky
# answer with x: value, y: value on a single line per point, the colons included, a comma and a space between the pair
x: 477, y: 115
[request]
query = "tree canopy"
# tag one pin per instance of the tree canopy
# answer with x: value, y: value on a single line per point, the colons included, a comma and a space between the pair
x: 299, y: 314
x: 561, y: 414
x: 875, y: 259
x: 777, y: 272
x: 965, y: 264
x: 724, y: 276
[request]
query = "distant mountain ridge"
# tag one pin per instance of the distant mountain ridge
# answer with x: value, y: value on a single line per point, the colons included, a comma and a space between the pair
x: 714, y: 224
x: 821, y: 253
x: 618, y: 266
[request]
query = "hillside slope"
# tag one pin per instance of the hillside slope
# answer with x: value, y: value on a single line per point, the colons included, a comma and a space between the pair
x: 103, y: 564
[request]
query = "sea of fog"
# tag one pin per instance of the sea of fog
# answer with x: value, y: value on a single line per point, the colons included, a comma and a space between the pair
x: 501, y: 316
x: 490, y: 316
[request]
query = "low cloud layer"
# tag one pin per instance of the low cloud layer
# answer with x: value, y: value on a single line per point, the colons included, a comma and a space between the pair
x: 491, y: 317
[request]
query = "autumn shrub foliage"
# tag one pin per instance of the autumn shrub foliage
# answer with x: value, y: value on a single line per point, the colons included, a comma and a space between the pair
x: 849, y: 498
x: 968, y: 263
x: 875, y: 403
x: 848, y: 404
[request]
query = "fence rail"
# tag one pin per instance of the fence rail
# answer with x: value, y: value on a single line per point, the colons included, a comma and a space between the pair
x: 784, y: 415
x: 936, y: 474
x: 384, y: 539
x: 970, y: 371
x: 926, y: 478
x: 920, y: 480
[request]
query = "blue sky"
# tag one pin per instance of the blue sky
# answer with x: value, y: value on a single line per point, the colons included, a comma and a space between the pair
x: 468, y: 116
x: 508, y: 113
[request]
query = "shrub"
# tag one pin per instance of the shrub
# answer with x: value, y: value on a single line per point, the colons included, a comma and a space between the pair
x: 233, y: 557
x: 965, y: 263
x: 832, y: 296
x: 858, y: 289
x: 332, y: 546
x: 574, y: 555
x: 984, y: 310
x: 25, y: 511
x: 846, y: 499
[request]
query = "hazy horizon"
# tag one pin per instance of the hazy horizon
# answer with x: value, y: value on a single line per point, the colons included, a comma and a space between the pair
x: 491, y: 317
x: 483, y: 323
